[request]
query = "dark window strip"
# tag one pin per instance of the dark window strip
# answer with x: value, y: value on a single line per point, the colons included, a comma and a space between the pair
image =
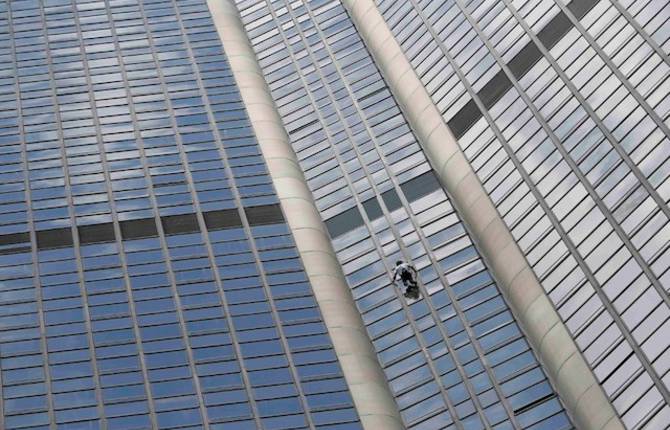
x: 18, y: 250
x: 372, y: 208
x: 55, y: 238
x: 554, y: 30
x: 494, y: 89
x: 519, y: 66
x: 138, y: 228
x: 96, y: 233
x: 464, y: 119
x: 17, y: 243
x: 580, y: 8
x: 180, y: 224
x: 413, y: 189
x: 522, y: 62
x: 344, y: 222
x: 14, y: 238
x: 263, y: 215
x: 222, y: 219
x: 420, y: 186
x: 391, y: 200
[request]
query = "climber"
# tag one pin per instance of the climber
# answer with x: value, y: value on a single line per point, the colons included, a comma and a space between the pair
x: 407, y: 274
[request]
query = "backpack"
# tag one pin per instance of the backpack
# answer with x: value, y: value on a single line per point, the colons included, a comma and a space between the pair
x: 404, y: 272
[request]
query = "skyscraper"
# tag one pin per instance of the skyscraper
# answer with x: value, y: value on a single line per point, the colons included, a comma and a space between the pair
x: 203, y: 200
x: 133, y: 191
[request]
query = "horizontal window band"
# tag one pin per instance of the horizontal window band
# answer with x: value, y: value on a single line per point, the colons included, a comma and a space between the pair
x: 141, y: 228
x: 138, y: 228
x: 391, y: 200
x: 263, y: 215
x: 344, y: 222
x: 96, y: 233
x: 180, y: 224
x: 222, y: 219
x: 413, y: 189
x: 54, y: 238
x: 522, y: 62
x: 14, y: 239
x: 420, y: 186
x: 17, y: 250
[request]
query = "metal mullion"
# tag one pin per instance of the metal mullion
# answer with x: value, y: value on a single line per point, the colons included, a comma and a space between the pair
x: 487, y: 10
x: 454, y: 300
x: 529, y: 10
x: 638, y: 28
x: 591, y: 112
x: 636, y: 228
x: 317, y: 112
x: 575, y: 168
x: 429, y: 253
x: 416, y: 332
x: 631, y: 89
x: 652, y: 414
x: 224, y: 303
x: 653, y: 410
x: 631, y: 377
x: 152, y: 198
x: 279, y: 326
x: 33, y: 241
x: 568, y: 242
x: 161, y: 234
x: 113, y: 213
x: 479, y: 48
x: 466, y: 326
x: 115, y: 220
x: 184, y: 336
x: 579, y: 330
x: 498, y: 135
x: 612, y: 343
x: 426, y: 246
x: 492, y: 31
x: 208, y: 245
x: 73, y: 225
x: 544, y: 81
x: 320, y: 116
x: 373, y: 236
x: 579, y: 175
x: 603, y: 177
x: 660, y: 251
x: 625, y: 42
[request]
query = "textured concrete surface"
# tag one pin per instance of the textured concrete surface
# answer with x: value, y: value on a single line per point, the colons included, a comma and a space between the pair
x: 367, y: 382
x: 574, y: 381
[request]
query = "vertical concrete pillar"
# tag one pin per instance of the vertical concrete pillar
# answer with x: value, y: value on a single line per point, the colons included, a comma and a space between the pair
x: 583, y: 397
x: 362, y: 371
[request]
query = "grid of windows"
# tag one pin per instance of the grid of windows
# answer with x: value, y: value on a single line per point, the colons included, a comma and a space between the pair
x: 575, y: 154
x: 148, y: 279
x: 456, y: 358
x: 651, y: 18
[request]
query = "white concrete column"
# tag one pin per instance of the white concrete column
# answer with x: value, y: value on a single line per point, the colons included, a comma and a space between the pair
x: 362, y: 371
x: 583, y: 397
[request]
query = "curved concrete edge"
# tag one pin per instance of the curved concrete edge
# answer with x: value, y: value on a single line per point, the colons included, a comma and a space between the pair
x: 366, y: 379
x: 571, y: 376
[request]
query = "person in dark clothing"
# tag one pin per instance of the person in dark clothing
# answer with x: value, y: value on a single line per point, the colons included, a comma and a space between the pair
x: 407, y: 274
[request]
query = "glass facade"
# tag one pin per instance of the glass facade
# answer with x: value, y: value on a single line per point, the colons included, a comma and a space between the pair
x: 456, y: 358
x: 562, y: 111
x: 147, y: 276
